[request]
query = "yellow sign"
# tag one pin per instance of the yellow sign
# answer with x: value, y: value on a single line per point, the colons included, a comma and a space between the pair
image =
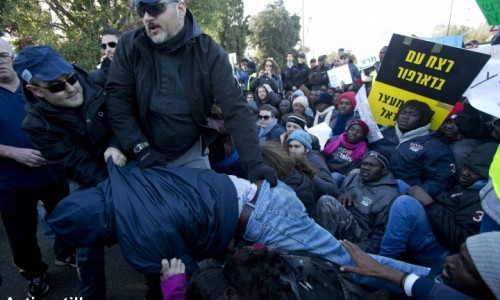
x: 385, y: 101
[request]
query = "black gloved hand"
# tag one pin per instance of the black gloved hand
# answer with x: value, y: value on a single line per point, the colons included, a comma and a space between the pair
x: 149, y: 158
x: 261, y: 171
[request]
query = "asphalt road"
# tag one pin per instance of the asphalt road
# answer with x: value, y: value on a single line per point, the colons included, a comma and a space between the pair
x: 123, y: 282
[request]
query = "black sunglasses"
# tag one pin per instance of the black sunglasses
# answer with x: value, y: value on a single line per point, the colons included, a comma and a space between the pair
x: 264, y: 117
x: 61, y: 85
x: 152, y: 9
x: 110, y: 44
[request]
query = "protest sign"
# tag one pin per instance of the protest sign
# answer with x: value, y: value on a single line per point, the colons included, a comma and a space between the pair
x: 365, y: 114
x: 483, y: 93
x: 339, y: 76
x: 491, y: 11
x: 433, y: 73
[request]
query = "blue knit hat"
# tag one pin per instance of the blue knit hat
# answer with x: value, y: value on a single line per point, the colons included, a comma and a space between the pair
x: 41, y: 63
x: 303, y: 137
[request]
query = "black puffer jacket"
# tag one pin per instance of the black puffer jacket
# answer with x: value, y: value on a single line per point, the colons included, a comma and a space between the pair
x: 73, y: 139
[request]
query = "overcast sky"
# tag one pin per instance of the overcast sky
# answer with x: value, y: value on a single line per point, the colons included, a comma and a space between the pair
x: 364, y: 26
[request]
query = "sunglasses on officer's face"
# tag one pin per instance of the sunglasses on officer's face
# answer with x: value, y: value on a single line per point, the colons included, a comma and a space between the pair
x: 153, y: 10
x: 61, y: 85
x: 110, y: 44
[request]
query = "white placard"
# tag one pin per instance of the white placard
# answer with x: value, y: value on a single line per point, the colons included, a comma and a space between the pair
x: 363, y: 107
x: 339, y: 76
x: 483, y: 93
x: 322, y: 132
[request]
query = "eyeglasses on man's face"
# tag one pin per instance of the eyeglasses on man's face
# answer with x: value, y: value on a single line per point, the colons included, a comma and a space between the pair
x: 61, y: 85
x: 110, y: 44
x: 261, y: 117
x: 153, y: 10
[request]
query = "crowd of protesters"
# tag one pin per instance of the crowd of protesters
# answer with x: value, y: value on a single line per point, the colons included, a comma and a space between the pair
x: 167, y: 159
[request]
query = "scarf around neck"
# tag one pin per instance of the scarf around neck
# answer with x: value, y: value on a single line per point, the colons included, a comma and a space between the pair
x: 264, y: 131
x: 339, y: 126
x: 327, y: 113
x: 410, y: 135
x: 358, y: 149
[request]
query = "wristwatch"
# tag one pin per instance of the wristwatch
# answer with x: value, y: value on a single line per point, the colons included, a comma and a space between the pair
x: 138, y: 148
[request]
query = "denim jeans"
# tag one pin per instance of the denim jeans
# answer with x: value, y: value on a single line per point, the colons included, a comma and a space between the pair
x: 408, y: 230
x: 280, y: 219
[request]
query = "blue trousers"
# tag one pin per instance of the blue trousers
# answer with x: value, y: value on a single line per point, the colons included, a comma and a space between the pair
x: 408, y: 230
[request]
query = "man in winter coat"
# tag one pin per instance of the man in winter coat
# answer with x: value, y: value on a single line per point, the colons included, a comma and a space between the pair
x: 67, y: 120
x: 418, y: 157
x: 429, y: 228
x: 360, y: 213
x: 163, y: 81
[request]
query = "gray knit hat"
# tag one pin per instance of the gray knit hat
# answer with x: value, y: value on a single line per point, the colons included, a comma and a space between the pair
x: 484, y: 249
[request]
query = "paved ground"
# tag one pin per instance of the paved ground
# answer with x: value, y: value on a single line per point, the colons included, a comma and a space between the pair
x: 123, y: 282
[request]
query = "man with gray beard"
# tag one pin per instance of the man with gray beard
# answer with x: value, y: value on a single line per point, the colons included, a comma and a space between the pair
x: 163, y: 81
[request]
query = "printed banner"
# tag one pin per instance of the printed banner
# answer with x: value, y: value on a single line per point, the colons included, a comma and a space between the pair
x: 430, y: 72
x: 484, y: 93
x: 491, y: 10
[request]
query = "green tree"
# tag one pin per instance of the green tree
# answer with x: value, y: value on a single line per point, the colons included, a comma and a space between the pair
x: 72, y: 27
x: 274, y: 32
x: 207, y: 14
x: 234, y: 28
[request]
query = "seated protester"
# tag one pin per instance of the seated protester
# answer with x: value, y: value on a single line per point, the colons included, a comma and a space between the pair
x: 67, y: 121
x: 285, y: 108
x: 325, y: 110
x: 459, y: 132
x: 269, y: 129
x: 269, y: 73
x: 266, y: 96
x: 300, y: 145
x: 296, y: 172
x: 428, y: 228
x: 417, y: 155
x: 344, y: 152
x: 260, y: 272
x: 294, y: 96
x: 297, y: 122
x: 360, y: 213
x: 345, y: 105
x: 471, y: 274
x: 193, y: 214
x: 299, y: 106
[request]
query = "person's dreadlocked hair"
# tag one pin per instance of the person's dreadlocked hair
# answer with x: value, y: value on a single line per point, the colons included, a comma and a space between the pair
x: 248, y: 274
x: 424, y: 111
x: 277, y: 158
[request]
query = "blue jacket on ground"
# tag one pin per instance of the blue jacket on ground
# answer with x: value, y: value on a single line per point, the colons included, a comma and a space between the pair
x: 162, y: 212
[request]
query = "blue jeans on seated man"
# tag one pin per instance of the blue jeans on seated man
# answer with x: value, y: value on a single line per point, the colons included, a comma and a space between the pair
x: 408, y: 232
x: 279, y: 219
